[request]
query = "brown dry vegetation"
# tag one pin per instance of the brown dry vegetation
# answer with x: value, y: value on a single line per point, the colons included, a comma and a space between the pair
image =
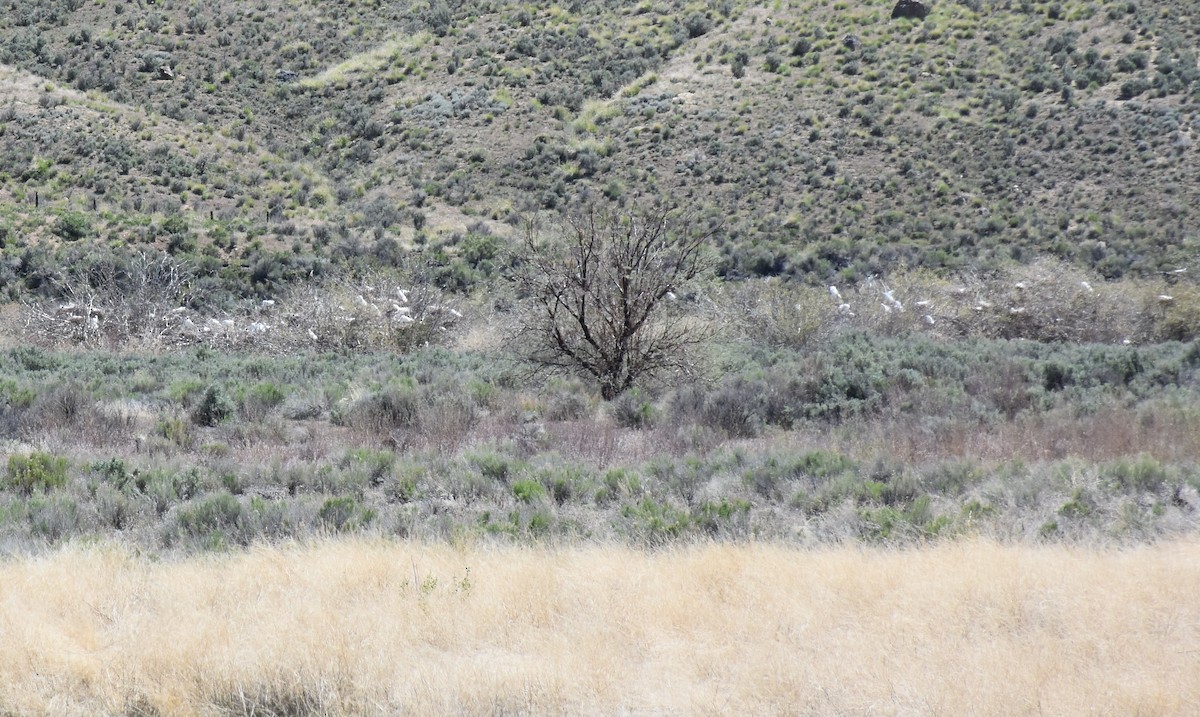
x: 352, y: 627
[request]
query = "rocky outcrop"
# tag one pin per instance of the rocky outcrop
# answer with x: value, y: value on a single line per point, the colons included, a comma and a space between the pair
x: 910, y: 8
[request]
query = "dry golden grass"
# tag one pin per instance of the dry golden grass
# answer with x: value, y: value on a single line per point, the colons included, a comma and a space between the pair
x: 382, y: 628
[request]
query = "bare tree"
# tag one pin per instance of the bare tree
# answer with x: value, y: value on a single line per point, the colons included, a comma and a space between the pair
x: 600, y: 288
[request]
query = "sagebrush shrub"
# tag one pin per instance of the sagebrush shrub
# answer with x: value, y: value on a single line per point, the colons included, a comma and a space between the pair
x: 215, y: 513
x: 389, y: 409
x: 634, y: 409
x: 344, y: 513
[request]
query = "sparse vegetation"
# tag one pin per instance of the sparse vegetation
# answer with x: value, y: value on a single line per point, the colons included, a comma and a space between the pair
x: 296, y: 272
x: 862, y: 435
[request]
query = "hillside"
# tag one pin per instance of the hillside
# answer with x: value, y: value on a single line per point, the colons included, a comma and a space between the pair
x: 833, y: 141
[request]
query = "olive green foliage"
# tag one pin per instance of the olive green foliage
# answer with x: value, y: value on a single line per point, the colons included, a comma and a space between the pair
x: 35, y: 472
x: 73, y: 226
x: 344, y: 513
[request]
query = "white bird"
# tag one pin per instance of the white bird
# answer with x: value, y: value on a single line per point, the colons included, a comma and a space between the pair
x: 845, y: 309
x: 1165, y: 298
x: 1019, y: 285
x: 312, y: 334
x: 455, y: 313
x: 1086, y: 286
x: 893, y: 301
x: 402, y: 294
x: 929, y: 320
x: 179, y: 309
x: 924, y: 303
x: 670, y: 295
x: 833, y: 291
x: 268, y: 302
x: 886, y: 309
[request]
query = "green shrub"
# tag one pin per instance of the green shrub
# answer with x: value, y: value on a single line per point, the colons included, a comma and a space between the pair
x: 824, y: 464
x: 174, y: 430
x: 492, y: 466
x: 540, y: 523
x: 13, y: 395
x: 890, y: 522
x: 377, y: 464
x: 974, y: 510
x: 215, y: 407
x: 54, y: 517
x: 215, y: 513
x: 528, y: 491
x: 343, y: 513
x: 392, y: 408
x: 1078, y: 506
x: 36, y: 471
x: 259, y: 401
x: 633, y: 409
x: 1144, y: 474
x: 72, y: 226
x: 656, y: 522
x: 113, y: 471
x: 716, y: 517
x: 164, y: 487
x: 954, y: 477
x: 619, y: 483
x: 737, y: 407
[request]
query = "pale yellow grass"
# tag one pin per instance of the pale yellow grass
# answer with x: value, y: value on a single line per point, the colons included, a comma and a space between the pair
x: 383, y: 628
x: 372, y: 60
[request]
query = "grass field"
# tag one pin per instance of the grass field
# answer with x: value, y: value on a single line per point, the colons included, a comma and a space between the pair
x: 372, y: 627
